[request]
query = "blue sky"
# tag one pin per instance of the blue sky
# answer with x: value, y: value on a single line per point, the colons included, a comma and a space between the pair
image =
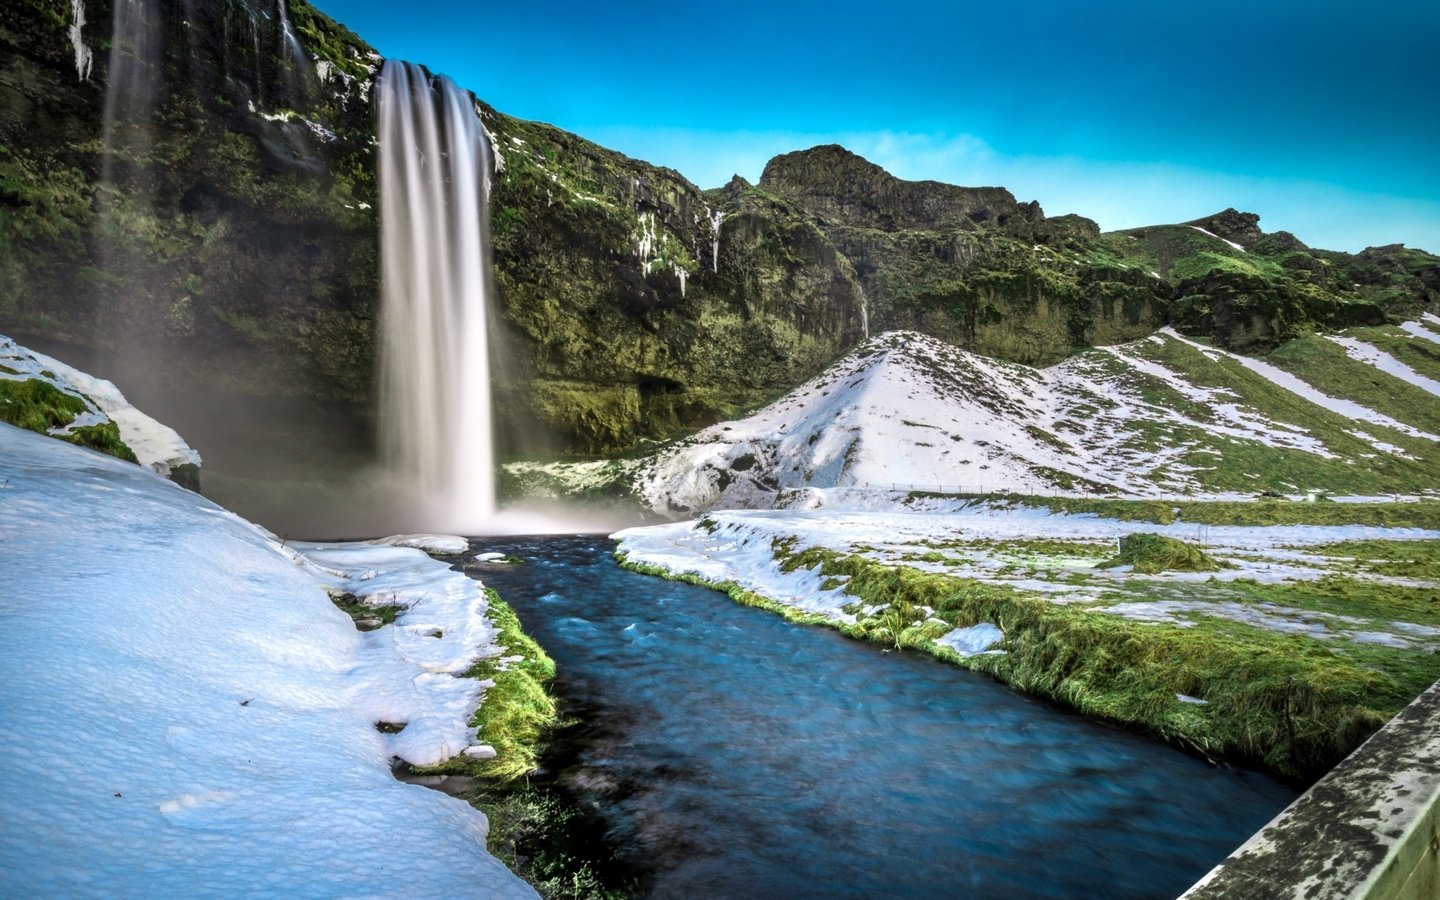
x: 1322, y: 117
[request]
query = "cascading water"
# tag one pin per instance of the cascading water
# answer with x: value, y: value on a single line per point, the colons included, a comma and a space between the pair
x: 132, y: 84
x: 435, y: 437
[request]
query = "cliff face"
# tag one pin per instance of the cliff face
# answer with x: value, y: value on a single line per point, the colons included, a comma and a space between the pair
x: 637, y: 305
x: 214, y: 249
x: 227, y: 224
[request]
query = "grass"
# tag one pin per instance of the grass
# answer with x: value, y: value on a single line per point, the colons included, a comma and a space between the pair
x: 1403, y: 559
x: 1417, y: 514
x: 549, y: 841
x: 1151, y: 554
x: 367, y: 618
x: 1292, y: 705
x: 1251, y: 465
x: 517, y: 712
x: 39, y: 406
x: 1324, y: 365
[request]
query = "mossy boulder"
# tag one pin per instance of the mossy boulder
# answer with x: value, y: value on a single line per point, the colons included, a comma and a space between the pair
x: 1150, y: 554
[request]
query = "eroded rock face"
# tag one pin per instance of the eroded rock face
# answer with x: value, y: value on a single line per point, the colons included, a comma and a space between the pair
x: 839, y: 187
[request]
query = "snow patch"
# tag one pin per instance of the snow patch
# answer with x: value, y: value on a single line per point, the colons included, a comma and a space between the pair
x: 1374, y: 356
x: 1217, y: 237
x: 973, y: 640
x: 155, y: 445
x: 1280, y: 378
x: 1418, y: 329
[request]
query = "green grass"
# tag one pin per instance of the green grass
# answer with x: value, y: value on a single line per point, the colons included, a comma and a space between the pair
x: 1417, y: 514
x: 1404, y: 559
x: 1419, y: 354
x: 517, y: 712
x: 1253, y: 466
x: 1291, y: 704
x: 554, y: 844
x: 39, y: 406
x: 1151, y: 554
x: 367, y: 618
x: 1324, y: 365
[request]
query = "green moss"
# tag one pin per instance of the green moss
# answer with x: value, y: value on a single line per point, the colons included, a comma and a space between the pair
x: 367, y: 617
x: 41, y: 407
x: 1151, y: 554
x: 517, y: 712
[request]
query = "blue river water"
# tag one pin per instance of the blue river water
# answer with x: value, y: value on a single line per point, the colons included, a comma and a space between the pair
x: 732, y: 754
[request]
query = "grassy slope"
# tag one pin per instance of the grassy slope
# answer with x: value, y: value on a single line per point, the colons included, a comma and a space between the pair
x: 1290, y: 703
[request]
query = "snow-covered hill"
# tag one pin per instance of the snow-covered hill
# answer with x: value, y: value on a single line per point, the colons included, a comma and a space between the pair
x: 1160, y: 416
x: 186, y: 712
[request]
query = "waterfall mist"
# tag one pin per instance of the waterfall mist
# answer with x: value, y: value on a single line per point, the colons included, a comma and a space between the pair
x: 435, y: 419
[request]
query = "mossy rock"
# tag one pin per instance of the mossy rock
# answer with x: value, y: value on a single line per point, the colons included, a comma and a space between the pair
x: 1150, y: 554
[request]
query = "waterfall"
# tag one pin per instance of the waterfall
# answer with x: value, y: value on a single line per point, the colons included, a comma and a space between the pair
x: 132, y: 84
x: 289, y: 44
x: 716, y: 217
x: 83, y: 56
x: 434, y: 359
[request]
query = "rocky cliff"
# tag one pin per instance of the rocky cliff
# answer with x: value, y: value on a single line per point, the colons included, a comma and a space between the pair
x: 226, y: 222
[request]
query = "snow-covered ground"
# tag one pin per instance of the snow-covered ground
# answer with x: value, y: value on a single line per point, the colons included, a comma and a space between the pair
x: 987, y: 541
x: 154, y: 444
x: 186, y: 713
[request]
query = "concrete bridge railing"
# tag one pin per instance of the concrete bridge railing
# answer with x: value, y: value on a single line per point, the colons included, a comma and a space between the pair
x: 1369, y: 830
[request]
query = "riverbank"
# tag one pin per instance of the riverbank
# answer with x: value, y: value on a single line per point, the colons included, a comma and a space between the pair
x: 187, y: 710
x: 1305, y: 642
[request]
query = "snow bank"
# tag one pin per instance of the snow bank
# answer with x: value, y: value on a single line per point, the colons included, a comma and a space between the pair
x: 738, y: 546
x: 1282, y: 379
x: 155, y: 445
x: 187, y: 713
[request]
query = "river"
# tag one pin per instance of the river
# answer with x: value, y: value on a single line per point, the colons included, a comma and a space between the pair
x: 732, y: 754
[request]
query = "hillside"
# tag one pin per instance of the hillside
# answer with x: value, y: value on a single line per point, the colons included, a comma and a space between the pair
x: 1345, y: 414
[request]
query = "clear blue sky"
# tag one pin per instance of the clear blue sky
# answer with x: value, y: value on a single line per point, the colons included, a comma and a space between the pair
x: 1323, y: 117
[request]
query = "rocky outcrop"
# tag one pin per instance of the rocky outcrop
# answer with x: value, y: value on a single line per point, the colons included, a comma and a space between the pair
x: 636, y: 305
x: 841, y: 188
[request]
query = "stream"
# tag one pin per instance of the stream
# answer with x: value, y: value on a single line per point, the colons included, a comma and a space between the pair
x: 732, y: 754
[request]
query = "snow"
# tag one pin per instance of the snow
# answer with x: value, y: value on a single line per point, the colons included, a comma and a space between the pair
x: 448, y: 544
x: 1232, y: 244
x: 738, y: 546
x: 908, y: 412
x: 187, y: 713
x: 1420, y: 330
x: 972, y: 640
x: 1374, y: 356
x: 1282, y: 379
x: 155, y: 445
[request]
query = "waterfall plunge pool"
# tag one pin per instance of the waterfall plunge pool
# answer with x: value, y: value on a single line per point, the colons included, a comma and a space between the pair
x: 732, y: 754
